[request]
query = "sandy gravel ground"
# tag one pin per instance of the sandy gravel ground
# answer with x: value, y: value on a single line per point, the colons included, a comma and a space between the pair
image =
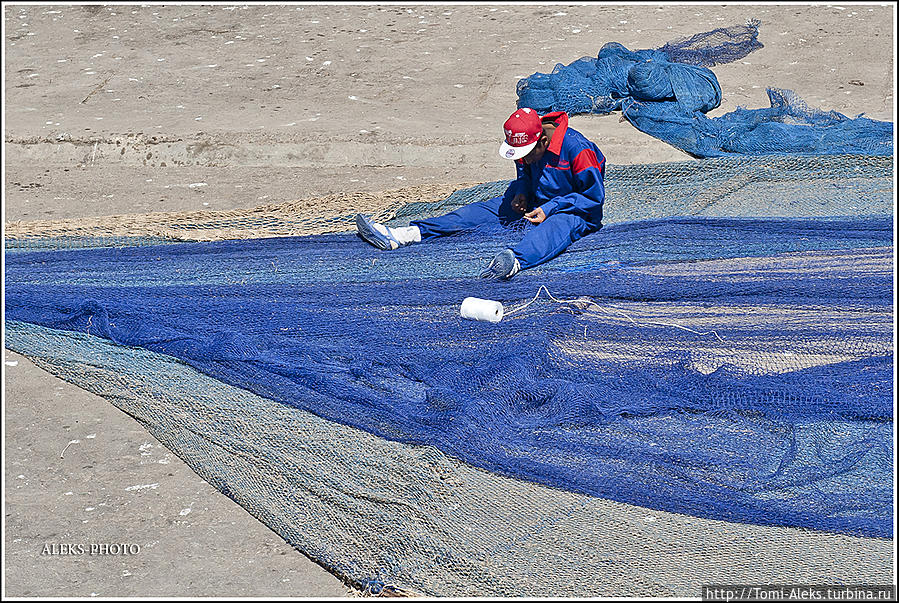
x: 135, y: 108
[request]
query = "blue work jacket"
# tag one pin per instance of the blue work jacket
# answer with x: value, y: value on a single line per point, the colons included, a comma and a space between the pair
x: 568, y: 178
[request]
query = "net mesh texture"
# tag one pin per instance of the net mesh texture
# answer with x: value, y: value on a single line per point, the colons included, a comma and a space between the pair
x: 666, y: 93
x: 705, y: 395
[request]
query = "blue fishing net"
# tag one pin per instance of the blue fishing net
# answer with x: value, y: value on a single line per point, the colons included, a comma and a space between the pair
x: 716, y: 47
x: 726, y: 368
x: 710, y: 371
x: 667, y: 92
x: 788, y: 126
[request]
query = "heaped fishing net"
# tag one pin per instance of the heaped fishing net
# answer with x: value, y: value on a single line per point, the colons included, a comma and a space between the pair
x: 667, y: 92
x: 705, y: 380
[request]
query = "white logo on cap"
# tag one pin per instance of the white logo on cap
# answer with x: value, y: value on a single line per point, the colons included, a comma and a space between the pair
x: 526, y: 110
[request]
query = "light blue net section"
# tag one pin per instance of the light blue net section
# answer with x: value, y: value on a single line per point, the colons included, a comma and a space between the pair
x: 667, y: 92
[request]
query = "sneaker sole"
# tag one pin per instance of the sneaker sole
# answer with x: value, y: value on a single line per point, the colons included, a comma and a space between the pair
x: 370, y: 235
x: 502, y: 271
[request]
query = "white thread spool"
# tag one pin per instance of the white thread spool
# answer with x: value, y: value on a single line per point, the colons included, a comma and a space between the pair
x: 475, y: 308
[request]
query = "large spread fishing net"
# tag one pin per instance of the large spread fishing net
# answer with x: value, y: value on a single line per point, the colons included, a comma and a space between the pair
x: 701, y: 392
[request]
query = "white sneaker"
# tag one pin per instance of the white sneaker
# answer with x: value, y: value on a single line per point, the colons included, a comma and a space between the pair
x: 375, y: 234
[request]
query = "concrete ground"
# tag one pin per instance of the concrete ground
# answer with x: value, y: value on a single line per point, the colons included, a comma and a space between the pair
x: 135, y: 108
x: 69, y: 456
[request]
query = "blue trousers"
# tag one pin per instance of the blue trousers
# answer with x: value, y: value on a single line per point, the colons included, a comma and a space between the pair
x: 541, y: 244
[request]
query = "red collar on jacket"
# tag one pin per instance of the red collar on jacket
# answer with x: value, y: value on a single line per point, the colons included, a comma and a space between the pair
x: 560, y: 118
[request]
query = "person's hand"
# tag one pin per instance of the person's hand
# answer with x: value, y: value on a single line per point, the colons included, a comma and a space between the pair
x: 535, y: 216
x: 520, y: 203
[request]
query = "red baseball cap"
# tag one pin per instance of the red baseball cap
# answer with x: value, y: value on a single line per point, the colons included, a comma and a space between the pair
x: 523, y: 130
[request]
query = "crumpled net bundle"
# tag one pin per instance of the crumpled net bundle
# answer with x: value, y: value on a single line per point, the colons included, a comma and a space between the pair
x: 668, y: 91
x: 602, y: 84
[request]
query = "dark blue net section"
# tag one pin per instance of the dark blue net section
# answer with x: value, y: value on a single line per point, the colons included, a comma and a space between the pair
x: 667, y: 92
x: 736, y: 369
